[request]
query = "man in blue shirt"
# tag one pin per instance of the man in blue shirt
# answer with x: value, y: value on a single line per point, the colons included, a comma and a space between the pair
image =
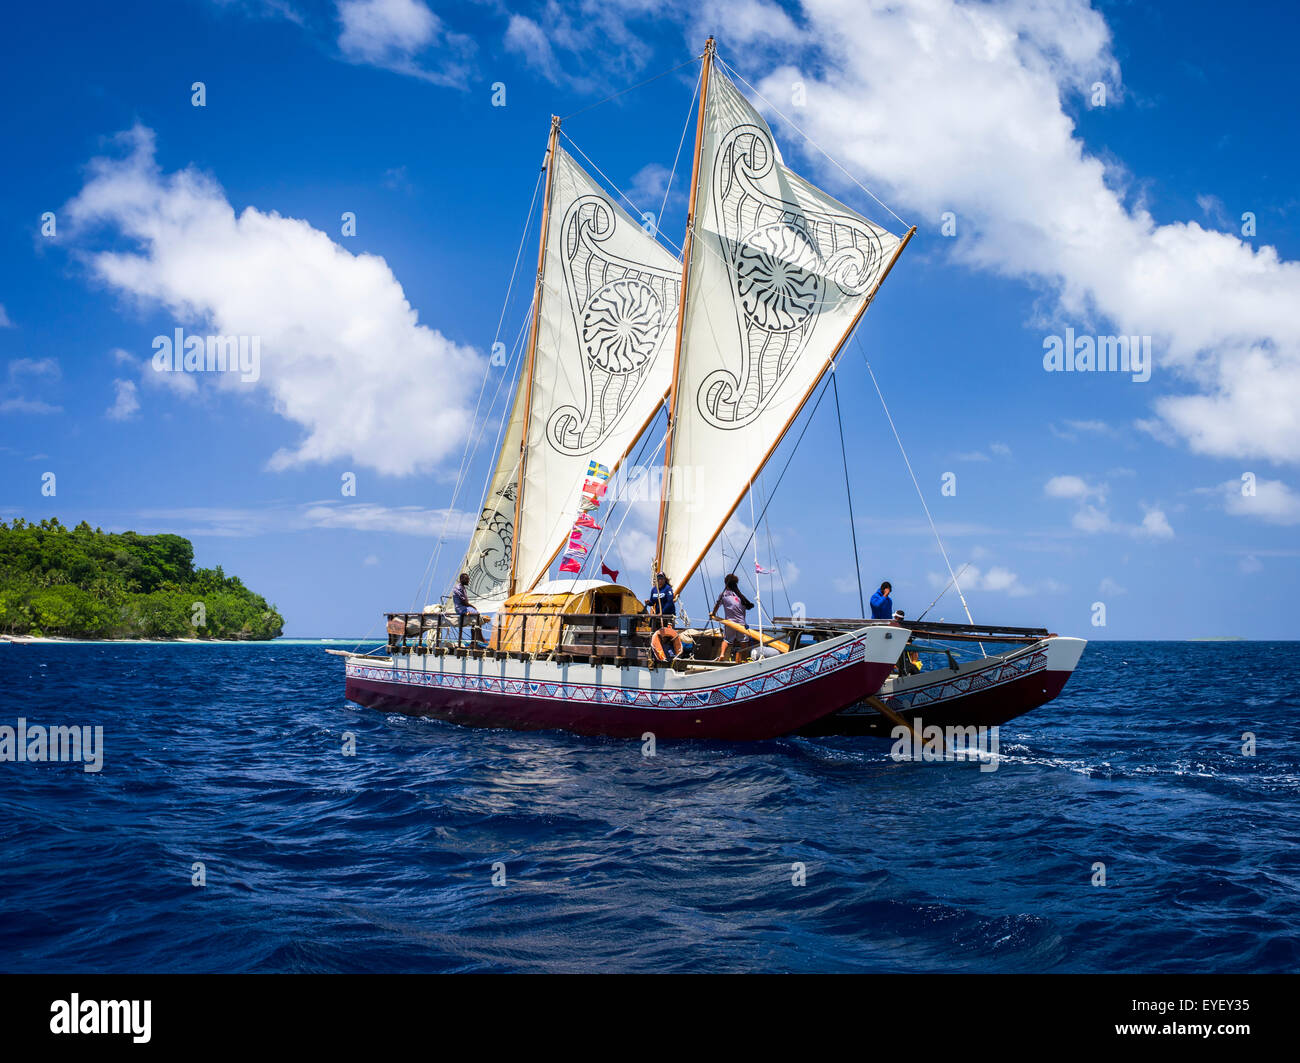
x: 661, y: 600
x: 882, y: 604
x: 661, y: 604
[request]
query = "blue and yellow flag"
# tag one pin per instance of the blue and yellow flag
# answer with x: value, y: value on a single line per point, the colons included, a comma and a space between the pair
x: 597, y: 471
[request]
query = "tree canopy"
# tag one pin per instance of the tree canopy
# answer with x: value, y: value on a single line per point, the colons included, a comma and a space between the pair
x: 87, y: 583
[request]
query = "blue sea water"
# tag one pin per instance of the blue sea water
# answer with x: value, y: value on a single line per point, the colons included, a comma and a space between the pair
x: 383, y: 861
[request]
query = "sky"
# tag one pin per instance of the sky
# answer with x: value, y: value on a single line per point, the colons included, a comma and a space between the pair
x: 349, y: 184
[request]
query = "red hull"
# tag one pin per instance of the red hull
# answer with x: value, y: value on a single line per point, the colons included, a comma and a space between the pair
x: 984, y: 708
x: 768, y: 714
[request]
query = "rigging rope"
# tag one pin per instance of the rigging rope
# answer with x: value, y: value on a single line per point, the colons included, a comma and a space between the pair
x: 425, y: 580
x: 630, y: 88
x: 902, y: 450
x: 786, y: 466
x: 848, y: 490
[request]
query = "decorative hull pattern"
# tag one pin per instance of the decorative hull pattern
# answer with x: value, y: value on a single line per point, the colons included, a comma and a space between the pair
x: 981, y: 693
x: 759, y: 700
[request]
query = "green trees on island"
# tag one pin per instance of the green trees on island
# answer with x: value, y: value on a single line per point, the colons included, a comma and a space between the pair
x: 86, y: 583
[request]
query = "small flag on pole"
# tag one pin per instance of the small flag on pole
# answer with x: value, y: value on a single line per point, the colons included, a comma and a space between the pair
x: 597, y: 471
x: 576, y: 545
x: 594, y: 488
x: 763, y: 571
x: 585, y: 521
x: 612, y: 573
x: 570, y: 564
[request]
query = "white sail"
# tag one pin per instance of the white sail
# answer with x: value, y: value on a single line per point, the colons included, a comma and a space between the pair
x: 779, y: 273
x: 488, y: 558
x: 603, y: 362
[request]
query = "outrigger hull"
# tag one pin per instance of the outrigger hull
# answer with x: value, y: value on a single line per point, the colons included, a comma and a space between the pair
x: 746, y: 702
x: 983, y: 693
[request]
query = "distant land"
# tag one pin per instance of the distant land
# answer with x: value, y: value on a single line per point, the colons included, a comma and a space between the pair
x: 86, y: 583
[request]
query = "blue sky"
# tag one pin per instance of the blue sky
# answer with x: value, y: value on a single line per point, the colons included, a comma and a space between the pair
x: 1124, y: 217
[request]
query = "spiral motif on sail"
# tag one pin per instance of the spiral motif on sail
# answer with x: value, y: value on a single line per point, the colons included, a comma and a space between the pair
x: 778, y: 280
x: 620, y: 328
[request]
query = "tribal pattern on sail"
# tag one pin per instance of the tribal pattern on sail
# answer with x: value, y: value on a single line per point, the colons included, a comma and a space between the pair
x: 493, y: 538
x: 787, y: 264
x: 623, y: 312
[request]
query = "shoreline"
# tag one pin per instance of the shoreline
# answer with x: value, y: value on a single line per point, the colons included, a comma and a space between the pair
x: 58, y: 640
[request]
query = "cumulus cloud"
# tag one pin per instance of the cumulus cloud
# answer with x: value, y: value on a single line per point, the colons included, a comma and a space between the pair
x: 27, y: 382
x: 342, y: 352
x: 996, y: 579
x: 1072, y: 487
x: 1155, y: 525
x: 126, y: 402
x: 526, y: 39
x: 966, y: 107
x: 1093, y: 515
x: 394, y: 34
x: 1272, y: 501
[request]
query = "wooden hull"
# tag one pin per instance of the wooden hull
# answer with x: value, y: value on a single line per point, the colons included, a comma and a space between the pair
x: 984, y: 694
x: 759, y: 700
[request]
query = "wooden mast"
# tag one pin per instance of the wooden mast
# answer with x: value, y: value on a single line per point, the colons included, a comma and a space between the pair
x: 532, y: 351
x: 798, y: 409
x: 687, y: 241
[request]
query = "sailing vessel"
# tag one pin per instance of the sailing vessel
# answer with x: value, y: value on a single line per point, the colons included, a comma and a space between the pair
x: 774, y: 276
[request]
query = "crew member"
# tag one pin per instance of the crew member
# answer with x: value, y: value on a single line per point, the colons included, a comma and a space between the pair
x: 882, y: 604
x: 465, y: 611
x: 661, y: 604
x: 732, y: 605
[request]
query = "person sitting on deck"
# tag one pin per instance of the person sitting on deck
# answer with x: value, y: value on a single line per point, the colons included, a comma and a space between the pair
x: 662, y: 604
x: 882, y: 604
x: 731, y: 605
x: 465, y: 611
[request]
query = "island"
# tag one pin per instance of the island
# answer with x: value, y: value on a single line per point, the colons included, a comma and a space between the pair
x: 89, y: 584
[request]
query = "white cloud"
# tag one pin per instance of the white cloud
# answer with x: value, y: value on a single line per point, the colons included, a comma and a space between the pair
x: 1110, y: 587
x: 343, y: 354
x: 23, y: 375
x: 997, y: 579
x: 526, y: 39
x: 4, y: 318
x: 393, y: 33
x: 401, y: 520
x: 1090, y: 519
x: 1072, y: 487
x: 1155, y: 525
x: 1000, y: 449
x: 234, y: 521
x: 1273, y: 501
x: 965, y: 107
x: 126, y: 403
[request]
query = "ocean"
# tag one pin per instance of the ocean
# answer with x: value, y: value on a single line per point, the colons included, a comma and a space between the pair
x: 224, y: 765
